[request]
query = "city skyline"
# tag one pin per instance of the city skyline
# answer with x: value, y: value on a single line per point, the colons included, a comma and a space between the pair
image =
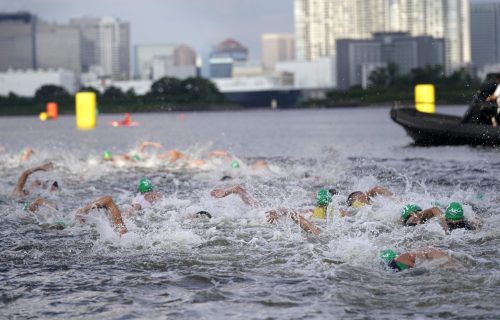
x: 204, y: 24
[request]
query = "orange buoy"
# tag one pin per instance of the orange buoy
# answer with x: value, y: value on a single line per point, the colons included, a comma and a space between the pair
x: 52, y: 112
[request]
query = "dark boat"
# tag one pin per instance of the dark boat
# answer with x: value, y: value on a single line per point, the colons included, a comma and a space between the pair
x: 474, y: 128
x: 432, y: 129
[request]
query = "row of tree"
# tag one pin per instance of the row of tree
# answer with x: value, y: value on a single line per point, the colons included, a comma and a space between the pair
x: 387, y: 85
x: 165, y: 94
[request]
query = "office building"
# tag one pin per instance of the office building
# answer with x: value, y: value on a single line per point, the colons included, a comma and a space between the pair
x: 320, y: 23
x: 58, y: 46
x: 356, y: 58
x: 146, y: 56
x: 277, y: 47
x: 105, y: 46
x: 485, y: 34
x: 17, y: 41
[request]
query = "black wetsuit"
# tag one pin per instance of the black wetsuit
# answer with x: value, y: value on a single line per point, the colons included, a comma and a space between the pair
x: 395, y: 266
x: 462, y: 224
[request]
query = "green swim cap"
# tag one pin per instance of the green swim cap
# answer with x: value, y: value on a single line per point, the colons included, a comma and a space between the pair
x: 323, y: 197
x: 387, y: 255
x: 454, y: 212
x: 107, y: 155
x: 145, y: 185
x: 408, y: 210
x: 235, y: 164
x: 26, y: 206
x: 136, y: 157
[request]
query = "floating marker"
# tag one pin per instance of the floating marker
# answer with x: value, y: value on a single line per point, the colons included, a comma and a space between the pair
x: 43, y: 116
x: 425, y: 98
x: 85, y: 110
x: 52, y: 111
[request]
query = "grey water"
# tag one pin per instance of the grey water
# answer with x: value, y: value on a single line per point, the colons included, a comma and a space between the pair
x: 173, y: 264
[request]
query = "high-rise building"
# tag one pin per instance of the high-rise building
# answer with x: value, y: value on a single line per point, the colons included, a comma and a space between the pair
x: 105, y: 46
x: 277, y: 47
x: 485, y: 31
x: 320, y: 23
x: 58, y: 46
x: 17, y: 41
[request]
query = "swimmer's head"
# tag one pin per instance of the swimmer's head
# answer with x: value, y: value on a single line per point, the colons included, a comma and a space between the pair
x: 387, y: 255
x: 323, y: 198
x: 408, y: 210
x: 26, y: 206
x: 107, y: 155
x: 136, y: 157
x: 357, y: 199
x: 145, y: 185
x: 235, y: 164
x: 54, y: 186
x: 454, y: 212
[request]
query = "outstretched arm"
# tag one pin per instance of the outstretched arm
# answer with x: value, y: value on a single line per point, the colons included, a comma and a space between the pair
x: 114, y: 213
x: 146, y: 144
x: 379, y: 191
x: 244, y: 195
x: 297, y: 217
x: 19, y: 188
x: 435, y: 212
x: 33, y: 206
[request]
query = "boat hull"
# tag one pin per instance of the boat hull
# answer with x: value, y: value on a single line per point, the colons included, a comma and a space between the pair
x: 438, y: 129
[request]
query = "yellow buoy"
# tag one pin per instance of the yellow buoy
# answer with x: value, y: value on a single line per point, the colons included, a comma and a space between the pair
x: 85, y: 110
x: 425, y: 98
x: 43, y: 116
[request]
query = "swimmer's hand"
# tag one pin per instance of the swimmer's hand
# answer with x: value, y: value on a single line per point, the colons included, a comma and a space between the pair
x: 121, y: 229
x: 272, y: 216
x: 45, y: 167
x: 219, y: 193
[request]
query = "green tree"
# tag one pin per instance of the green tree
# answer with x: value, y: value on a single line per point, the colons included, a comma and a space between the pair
x: 51, y: 92
x: 113, y: 94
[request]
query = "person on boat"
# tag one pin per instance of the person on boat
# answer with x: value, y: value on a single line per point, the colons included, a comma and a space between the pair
x: 412, y: 259
x: 127, y: 120
x: 453, y: 217
x: 20, y: 193
x: 485, y: 105
x: 272, y: 215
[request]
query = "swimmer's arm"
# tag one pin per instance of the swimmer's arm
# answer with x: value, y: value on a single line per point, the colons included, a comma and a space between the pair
x: 436, y: 212
x: 18, y: 189
x: 146, y: 144
x: 244, y: 195
x: 297, y: 217
x: 107, y: 203
x: 379, y: 191
x: 407, y: 258
x: 33, y: 207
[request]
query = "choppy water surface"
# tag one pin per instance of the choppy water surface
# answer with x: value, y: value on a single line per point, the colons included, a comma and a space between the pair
x: 172, y: 264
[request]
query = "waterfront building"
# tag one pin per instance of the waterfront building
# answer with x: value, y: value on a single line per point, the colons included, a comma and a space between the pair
x: 277, y: 47
x: 485, y: 31
x: 356, y: 59
x: 317, y: 74
x: 26, y: 82
x: 320, y: 23
x: 223, y: 57
x: 106, y: 44
x: 17, y: 41
x: 147, y: 56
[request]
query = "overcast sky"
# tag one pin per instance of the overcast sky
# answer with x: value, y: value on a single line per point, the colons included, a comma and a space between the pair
x: 198, y: 23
